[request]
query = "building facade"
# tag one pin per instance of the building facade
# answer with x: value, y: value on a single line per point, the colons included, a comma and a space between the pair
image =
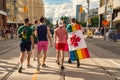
x: 18, y: 10
x: 113, y: 11
x: 116, y: 15
x: 3, y: 14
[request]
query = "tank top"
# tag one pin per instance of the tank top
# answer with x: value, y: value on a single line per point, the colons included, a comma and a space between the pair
x: 61, y: 35
x: 42, y: 33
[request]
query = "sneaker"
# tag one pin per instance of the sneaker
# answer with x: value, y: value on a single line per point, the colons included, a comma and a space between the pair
x: 62, y: 67
x: 38, y: 67
x: 29, y: 66
x: 58, y: 62
x: 20, y: 70
x: 69, y: 61
x: 78, y: 65
x: 43, y: 65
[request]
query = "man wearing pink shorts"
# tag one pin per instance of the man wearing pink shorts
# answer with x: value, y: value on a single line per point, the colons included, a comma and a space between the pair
x: 42, y: 33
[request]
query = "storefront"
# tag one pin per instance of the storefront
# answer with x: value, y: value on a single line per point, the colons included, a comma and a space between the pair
x: 3, y: 18
x: 116, y: 15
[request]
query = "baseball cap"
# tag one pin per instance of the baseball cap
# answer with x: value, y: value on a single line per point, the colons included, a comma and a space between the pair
x: 60, y: 23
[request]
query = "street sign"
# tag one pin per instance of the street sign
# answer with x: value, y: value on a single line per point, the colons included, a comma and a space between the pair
x: 81, y: 9
x: 110, y: 10
x: 105, y: 22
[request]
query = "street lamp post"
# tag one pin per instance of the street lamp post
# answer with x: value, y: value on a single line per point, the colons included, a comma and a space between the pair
x: 88, y: 2
x: 14, y: 3
x: 106, y: 1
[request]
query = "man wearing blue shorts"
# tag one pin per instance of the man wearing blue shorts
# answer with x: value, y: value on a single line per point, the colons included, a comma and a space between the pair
x: 26, y: 40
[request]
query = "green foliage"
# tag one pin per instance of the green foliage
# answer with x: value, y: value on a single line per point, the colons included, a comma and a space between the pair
x: 94, y: 20
x: 81, y: 23
x: 50, y: 24
x: 65, y: 18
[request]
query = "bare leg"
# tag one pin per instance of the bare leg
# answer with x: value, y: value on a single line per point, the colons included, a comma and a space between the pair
x: 28, y: 57
x: 34, y: 51
x: 44, y: 56
x: 38, y: 56
x: 62, y: 58
x: 38, y: 59
x: 21, y: 61
x: 58, y: 55
x: 22, y: 58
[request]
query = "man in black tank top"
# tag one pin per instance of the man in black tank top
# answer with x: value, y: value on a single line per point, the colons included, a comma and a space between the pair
x: 42, y: 33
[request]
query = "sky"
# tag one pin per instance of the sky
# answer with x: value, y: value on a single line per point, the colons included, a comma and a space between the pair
x: 57, y: 8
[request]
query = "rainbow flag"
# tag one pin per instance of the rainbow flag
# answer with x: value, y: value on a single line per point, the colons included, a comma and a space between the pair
x: 76, y: 43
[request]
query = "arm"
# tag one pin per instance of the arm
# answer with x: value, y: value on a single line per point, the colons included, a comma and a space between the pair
x: 49, y: 36
x: 66, y: 35
x: 18, y: 33
x: 54, y: 36
x: 32, y: 38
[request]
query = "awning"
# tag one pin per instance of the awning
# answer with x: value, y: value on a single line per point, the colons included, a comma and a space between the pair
x: 117, y: 19
x: 116, y: 4
x: 101, y: 10
x: 3, y: 13
x: 10, y: 21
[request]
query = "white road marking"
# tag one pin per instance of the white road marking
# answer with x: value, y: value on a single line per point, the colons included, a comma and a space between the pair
x: 114, y: 62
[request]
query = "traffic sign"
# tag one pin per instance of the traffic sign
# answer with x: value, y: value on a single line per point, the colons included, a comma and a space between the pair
x: 105, y: 22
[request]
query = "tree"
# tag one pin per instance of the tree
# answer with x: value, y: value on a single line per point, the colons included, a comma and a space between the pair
x: 81, y: 23
x: 65, y: 18
x: 49, y: 23
x: 94, y: 20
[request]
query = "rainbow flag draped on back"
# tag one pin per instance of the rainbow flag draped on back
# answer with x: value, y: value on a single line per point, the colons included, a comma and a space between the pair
x: 76, y: 43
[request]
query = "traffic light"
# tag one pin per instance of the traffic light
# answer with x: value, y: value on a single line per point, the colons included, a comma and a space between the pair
x: 25, y: 9
x: 14, y: 19
x: 81, y: 9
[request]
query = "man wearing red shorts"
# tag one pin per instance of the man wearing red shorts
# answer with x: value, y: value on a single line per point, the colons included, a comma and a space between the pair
x: 60, y: 39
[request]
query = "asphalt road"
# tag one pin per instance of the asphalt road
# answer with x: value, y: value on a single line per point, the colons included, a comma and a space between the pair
x: 105, y: 59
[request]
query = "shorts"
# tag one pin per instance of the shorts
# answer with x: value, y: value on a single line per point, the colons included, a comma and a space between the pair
x: 43, y: 45
x: 25, y: 46
x: 61, y: 46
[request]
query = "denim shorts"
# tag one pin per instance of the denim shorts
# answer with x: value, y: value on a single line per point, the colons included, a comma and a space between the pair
x: 25, y: 46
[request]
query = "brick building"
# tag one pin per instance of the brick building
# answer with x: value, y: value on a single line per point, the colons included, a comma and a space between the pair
x: 3, y: 14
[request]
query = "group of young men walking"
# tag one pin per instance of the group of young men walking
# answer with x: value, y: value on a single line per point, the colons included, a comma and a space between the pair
x: 37, y: 36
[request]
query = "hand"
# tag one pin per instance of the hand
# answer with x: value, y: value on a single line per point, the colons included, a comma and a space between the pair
x: 32, y: 46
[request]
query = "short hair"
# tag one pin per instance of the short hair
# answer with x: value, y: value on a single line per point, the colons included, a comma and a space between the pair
x: 42, y: 19
x: 73, y: 20
x: 26, y: 20
x: 36, y: 21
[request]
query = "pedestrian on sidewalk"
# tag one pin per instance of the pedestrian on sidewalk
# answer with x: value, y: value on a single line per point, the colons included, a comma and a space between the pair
x: 69, y: 27
x: 34, y: 46
x: 67, y: 50
x: 26, y: 39
x: 43, y: 34
x: 60, y: 40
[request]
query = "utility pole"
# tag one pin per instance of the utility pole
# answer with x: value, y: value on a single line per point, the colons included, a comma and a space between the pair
x: 88, y: 2
x: 106, y: 1
x: 15, y: 10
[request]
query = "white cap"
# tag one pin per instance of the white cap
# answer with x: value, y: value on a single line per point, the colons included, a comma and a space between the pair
x: 60, y: 23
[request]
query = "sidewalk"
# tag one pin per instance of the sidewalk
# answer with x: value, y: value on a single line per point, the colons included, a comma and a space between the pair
x: 102, y: 38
